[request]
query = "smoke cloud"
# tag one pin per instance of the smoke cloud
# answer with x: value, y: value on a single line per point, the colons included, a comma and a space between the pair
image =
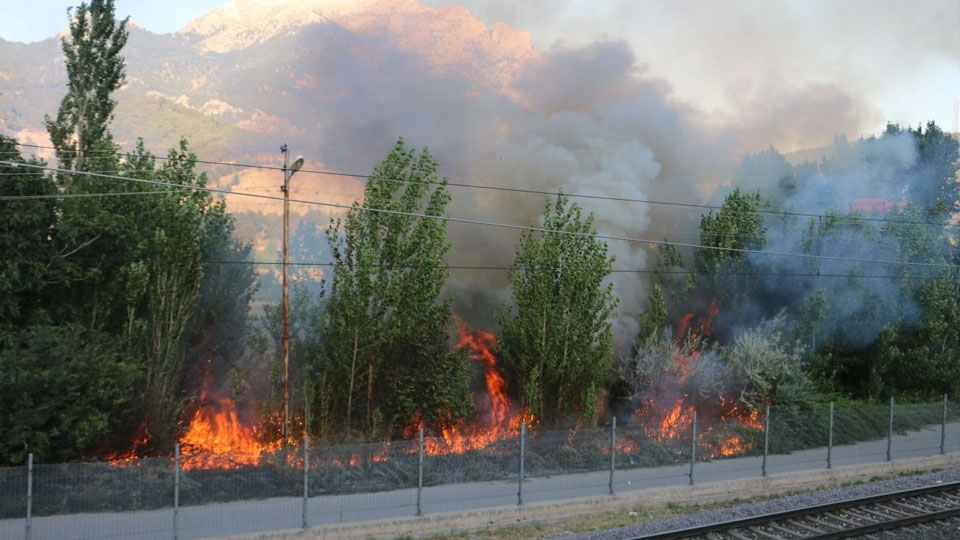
x: 727, y: 57
x: 589, y: 120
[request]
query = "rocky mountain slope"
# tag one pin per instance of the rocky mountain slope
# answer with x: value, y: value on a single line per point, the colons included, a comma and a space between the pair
x: 334, y: 79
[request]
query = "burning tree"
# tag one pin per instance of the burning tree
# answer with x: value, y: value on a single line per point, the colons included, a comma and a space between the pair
x: 557, y: 339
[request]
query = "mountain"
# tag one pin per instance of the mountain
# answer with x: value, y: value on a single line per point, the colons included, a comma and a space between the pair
x: 336, y: 80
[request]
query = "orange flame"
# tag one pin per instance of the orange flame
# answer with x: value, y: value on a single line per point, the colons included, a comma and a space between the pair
x: 127, y: 457
x: 216, y: 439
x: 677, y: 421
x: 674, y: 423
x: 499, y: 421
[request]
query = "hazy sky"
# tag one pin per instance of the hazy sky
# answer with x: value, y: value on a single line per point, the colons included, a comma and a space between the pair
x: 39, y: 19
x: 899, y: 58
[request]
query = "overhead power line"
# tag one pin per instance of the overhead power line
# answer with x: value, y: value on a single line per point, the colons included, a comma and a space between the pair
x: 78, y: 195
x: 501, y: 225
x: 516, y: 190
x: 501, y: 268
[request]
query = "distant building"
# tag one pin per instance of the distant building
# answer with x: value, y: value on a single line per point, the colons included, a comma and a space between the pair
x: 878, y: 205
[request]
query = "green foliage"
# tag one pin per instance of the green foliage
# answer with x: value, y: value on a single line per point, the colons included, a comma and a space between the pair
x: 737, y: 226
x: 721, y: 267
x: 655, y: 318
x: 934, y: 184
x: 557, y: 339
x: 385, y: 320
x: 26, y: 264
x: 95, y: 70
x: 60, y: 389
x: 764, y: 368
x: 107, y: 287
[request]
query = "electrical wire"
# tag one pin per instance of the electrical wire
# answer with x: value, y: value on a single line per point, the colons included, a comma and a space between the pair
x: 509, y: 226
x: 507, y: 189
x: 78, y: 195
x: 356, y: 207
x: 507, y: 268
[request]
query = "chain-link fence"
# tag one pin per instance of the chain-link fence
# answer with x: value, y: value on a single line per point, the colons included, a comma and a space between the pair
x: 198, y: 496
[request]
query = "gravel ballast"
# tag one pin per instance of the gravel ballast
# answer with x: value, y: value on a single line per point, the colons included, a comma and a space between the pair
x: 707, y: 517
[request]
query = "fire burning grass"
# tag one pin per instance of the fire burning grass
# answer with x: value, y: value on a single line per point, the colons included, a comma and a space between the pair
x: 217, y: 438
x: 724, y: 423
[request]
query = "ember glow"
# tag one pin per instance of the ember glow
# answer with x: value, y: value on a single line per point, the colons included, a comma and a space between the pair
x: 140, y: 441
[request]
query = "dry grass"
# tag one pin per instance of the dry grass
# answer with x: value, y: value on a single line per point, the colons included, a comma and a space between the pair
x: 574, y: 525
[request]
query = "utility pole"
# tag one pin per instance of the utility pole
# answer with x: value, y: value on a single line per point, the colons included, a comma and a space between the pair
x: 285, y: 333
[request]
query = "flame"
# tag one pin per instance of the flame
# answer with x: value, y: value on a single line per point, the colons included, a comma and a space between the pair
x: 733, y: 446
x: 129, y: 456
x: 672, y: 423
x: 627, y: 446
x: 687, y: 362
x: 498, y: 422
x: 216, y: 439
x: 352, y: 462
x: 677, y: 421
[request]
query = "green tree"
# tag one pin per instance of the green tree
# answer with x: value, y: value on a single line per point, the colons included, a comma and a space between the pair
x: 178, y: 231
x: 385, y: 318
x: 60, y: 389
x: 95, y: 70
x: 736, y: 226
x: 931, y: 182
x: 27, y: 262
x: 656, y: 317
x: 557, y: 338
x: 765, y: 368
x: 113, y: 284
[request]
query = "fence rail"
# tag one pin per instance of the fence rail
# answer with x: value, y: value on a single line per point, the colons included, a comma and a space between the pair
x: 158, y: 498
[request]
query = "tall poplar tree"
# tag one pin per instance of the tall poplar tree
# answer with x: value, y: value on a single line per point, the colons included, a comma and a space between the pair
x: 388, y: 361
x: 135, y: 265
x: 95, y: 70
x: 557, y: 338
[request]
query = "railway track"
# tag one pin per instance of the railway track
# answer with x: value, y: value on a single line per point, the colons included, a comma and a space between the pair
x: 870, y: 517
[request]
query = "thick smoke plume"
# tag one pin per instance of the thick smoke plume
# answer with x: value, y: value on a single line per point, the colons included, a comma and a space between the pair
x: 586, y: 120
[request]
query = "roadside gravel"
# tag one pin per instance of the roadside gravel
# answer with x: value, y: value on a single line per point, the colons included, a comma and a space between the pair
x: 779, y: 505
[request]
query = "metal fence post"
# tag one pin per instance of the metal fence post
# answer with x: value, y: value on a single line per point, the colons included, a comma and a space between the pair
x: 176, y: 489
x: 943, y: 428
x: 830, y: 439
x: 693, y: 445
x: 890, y: 432
x: 420, y: 475
x: 306, y: 469
x: 766, y: 440
x: 613, y: 450
x: 523, y: 437
x: 28, y: 524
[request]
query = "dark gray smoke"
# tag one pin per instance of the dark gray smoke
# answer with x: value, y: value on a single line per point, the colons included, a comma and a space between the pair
x: 587, y: 120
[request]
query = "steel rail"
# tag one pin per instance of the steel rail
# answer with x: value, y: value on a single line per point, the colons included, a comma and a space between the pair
x: 743, y: 527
